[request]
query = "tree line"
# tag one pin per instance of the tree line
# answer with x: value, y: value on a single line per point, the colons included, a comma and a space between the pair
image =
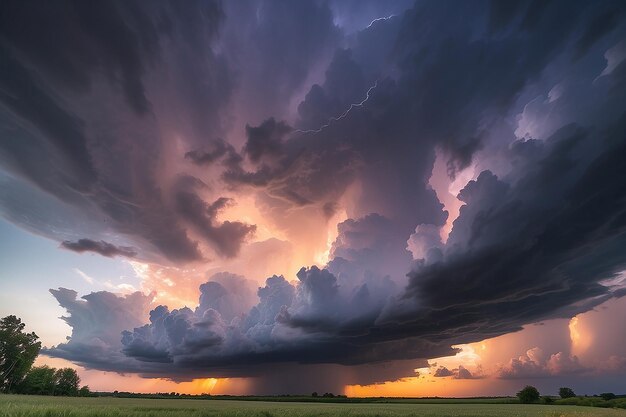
x: 18, y: 351
x: 530, y: 395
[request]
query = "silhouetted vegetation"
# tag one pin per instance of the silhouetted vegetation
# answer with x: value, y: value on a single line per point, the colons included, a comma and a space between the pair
x: 528, y: 395
x: 18, y: 351
x: 565, y: 392
x: 608, y: 396
x: 595, y: 401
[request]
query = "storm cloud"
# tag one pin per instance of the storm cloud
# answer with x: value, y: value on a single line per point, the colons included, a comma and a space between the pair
x: 461, y: 297
x: 203, y: 132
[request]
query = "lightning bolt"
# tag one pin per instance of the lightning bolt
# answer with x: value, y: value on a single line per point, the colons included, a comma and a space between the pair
x: 379, y: 19
x: 344, y: 114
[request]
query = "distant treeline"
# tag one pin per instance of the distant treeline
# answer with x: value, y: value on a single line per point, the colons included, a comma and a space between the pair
x: 607, y: 400
x: 613, y: 401
x: 530, y: 395
x: 313, y: 398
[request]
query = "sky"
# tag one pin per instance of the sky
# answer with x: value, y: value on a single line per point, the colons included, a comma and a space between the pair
x: 375, y: 198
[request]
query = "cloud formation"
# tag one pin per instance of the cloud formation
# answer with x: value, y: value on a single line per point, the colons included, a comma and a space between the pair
x: 535, y: 364
x: 105, y: 149
x: 460, y: 372
x: 103, y: 248
x: 208, y: 135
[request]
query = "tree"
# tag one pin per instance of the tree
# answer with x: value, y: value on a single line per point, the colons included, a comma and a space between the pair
x: 67, y: 382
x: 84, y: 391
x: 18, y: 351
x: 314, y: 394
x: 528, y: 394
x: 608, y: 396
x: 565, y: 392
x: 40, y: 380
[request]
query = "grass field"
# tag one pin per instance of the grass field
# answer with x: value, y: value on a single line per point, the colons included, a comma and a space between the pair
x: 34, y: 406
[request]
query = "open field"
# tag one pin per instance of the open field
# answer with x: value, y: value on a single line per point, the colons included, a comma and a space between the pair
x: 34, y: 406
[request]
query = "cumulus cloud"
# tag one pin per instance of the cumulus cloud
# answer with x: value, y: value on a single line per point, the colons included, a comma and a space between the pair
x: 103, y: 248
x: 97, y: 320
x: 425, y: 243
x: 460, y: 372
x: 443, y: 372
x: 535, y: 364
x: 373, y: 248
x: 287, y: 324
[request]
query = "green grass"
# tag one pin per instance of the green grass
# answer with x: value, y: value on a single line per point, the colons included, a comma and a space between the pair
x: 34, y: 406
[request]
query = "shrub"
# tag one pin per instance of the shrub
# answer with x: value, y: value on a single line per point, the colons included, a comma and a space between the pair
x: 565, y: 392
x: 528, y: 395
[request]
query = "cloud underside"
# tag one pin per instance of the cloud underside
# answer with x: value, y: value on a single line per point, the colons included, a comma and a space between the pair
x: 102, y: 248
x: 135, y: 113
x: 457, y: 297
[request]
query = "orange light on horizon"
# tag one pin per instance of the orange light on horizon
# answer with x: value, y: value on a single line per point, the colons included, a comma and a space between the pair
x: 421, y: 386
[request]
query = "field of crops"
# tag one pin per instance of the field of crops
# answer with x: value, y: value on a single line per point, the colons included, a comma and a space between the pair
x: 33, y: 406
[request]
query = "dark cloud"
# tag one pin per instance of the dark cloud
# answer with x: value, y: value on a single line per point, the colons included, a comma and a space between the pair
x: 99, y: 91
x: 598, y: 26
x: 463, y: 373
x: 386, y: 144
x: 103, y: 248
x: 457, y: 373
x: 27, y: 97
x: 357, y: 15
x: 546, y: 210
x: 116, y: 38
x: 344, y: 85
x: 226, y: 237
x: 442, y: 372
x: 275, y: 47
x: 550, y: 270
x: 216, y: 151
x: 501, y: 14
x: 289, y: 324
x: 265, y: 140
x: 543, y: 222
